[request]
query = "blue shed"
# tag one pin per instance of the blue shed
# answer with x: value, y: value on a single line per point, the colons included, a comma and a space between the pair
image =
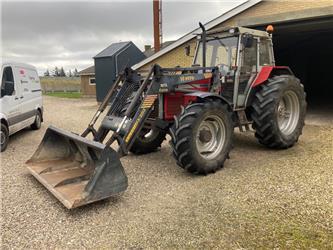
x: 112, y: 60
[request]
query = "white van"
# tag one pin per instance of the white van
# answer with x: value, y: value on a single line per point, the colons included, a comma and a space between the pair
x: 21, y: 102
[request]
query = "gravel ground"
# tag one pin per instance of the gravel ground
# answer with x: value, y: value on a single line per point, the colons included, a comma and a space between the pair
x: 262, y: 198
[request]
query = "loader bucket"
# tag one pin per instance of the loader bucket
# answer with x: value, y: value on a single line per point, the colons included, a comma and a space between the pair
x: 76, y: 170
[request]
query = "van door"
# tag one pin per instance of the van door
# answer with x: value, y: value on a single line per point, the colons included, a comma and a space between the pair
x: 28, y: 105
x: 10, y: 104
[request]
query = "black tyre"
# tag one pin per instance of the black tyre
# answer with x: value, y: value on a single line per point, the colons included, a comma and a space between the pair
x: 278, y: 112
x: 4, y: 137
x: 38, y: 121
x: 202, y: 137
x: 149, y: 140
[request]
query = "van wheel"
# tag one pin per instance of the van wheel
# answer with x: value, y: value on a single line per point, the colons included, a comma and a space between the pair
x: 4, y: 136
x: 38, y: 121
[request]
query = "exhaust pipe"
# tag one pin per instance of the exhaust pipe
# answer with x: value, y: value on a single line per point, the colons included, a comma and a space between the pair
x: 203, y: 40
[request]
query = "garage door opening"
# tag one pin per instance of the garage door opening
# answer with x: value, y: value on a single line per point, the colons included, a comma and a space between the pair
x: 307, y: 47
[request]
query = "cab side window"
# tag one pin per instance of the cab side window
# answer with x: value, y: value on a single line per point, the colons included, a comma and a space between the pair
x: 250, y: 57
x: 264, y: 51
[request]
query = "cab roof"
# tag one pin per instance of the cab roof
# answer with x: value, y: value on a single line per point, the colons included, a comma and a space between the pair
x: 237, y: 31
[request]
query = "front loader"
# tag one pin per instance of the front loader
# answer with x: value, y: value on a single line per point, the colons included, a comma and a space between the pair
x: 233, y: 83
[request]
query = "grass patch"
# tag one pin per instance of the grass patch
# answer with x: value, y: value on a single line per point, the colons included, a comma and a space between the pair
x: 65, y: 94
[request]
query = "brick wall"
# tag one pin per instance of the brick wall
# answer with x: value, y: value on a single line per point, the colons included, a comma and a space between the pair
x: 177, y: 56
x: 269, y: 8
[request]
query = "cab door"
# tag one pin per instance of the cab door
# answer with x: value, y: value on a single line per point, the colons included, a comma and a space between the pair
x: 248, y: 69
x: 10, y: 104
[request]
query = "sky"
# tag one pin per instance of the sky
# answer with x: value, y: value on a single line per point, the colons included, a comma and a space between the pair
x: 69, y: 33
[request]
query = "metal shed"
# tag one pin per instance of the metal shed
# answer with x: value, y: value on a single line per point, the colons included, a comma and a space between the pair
x: 110, y: 61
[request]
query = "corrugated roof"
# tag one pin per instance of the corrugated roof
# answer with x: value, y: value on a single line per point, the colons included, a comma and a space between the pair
x: 112, y: 49
x: 88, y: 71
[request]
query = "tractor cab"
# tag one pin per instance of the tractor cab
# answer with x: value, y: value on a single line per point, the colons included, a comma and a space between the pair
x: 239, y: 53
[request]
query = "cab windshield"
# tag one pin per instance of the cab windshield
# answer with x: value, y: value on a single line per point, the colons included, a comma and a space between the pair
x: 219, y: 52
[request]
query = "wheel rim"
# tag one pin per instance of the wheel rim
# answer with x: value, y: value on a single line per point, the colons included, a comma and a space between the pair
x: 288, y: 112
x: 210, y: 137
x: 2, y: 138
x: 147, y: 134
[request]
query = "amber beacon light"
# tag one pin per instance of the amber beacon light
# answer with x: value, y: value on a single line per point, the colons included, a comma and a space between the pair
x: 270, y: 29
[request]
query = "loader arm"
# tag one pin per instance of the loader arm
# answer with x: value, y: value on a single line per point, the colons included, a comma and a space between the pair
x: 125, y: 128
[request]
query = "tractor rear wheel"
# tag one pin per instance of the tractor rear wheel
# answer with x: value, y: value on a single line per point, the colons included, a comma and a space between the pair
x: 149, y: 139
x: 278, y: 112
x: 202, y: 137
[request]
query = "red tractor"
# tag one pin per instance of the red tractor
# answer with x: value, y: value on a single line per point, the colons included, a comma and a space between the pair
x: 233, y: 83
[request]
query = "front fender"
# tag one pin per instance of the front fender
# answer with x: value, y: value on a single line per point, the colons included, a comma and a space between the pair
x: 206, y: 95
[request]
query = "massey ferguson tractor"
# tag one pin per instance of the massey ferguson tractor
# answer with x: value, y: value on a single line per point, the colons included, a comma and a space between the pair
x: 233, y: 83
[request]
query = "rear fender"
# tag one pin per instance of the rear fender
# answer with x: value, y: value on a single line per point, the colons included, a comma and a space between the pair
x: 265, y: 73
x: 268, y: 71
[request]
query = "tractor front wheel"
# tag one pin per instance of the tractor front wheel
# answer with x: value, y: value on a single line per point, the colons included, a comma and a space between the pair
x: 149, y: 139
x: 202, y: 137
x: 278, y: 112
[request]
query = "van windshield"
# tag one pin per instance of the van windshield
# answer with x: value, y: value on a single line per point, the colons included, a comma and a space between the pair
x: 221, y: 51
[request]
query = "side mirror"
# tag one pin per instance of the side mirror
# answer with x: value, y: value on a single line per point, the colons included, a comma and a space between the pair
x: 7, y: 88
x: 247, y: 40
x: 188, y: 50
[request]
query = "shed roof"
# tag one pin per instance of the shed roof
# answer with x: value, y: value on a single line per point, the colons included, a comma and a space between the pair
x: 112, y: 49
x: 88, y: 71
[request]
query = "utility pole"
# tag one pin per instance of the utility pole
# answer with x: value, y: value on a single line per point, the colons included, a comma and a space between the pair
x: 157, y: 11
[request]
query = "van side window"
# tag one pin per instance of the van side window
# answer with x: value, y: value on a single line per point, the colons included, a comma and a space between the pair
x: 7, y: 75
x: 7, y: 80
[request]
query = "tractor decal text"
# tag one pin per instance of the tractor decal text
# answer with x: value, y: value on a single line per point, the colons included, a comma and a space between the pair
x: 186, y: 78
